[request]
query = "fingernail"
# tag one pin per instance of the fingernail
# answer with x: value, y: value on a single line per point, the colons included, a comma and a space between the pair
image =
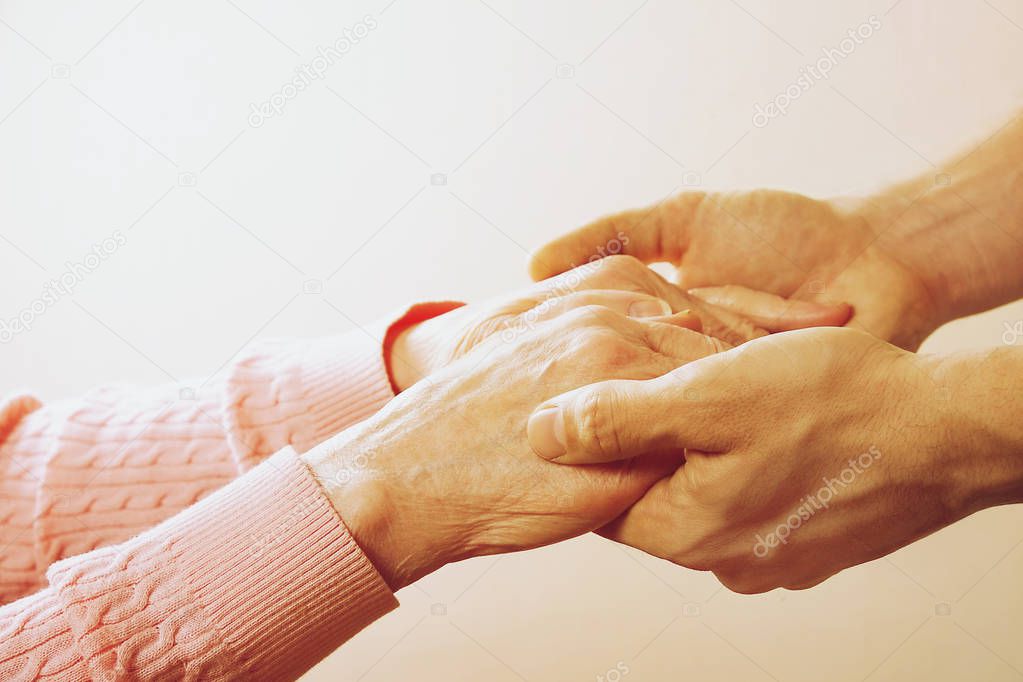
x: 546, y: 433
x: 649, y: 308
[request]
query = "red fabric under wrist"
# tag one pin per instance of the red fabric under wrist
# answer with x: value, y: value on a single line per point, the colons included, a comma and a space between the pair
x: 419, y: 312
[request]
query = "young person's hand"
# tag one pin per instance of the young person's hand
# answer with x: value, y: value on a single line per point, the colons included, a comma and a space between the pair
x: 640, y: 292
x: 908, y: 258
x: 782, y: 243
x: 805, y: 452
x: 444, y: 471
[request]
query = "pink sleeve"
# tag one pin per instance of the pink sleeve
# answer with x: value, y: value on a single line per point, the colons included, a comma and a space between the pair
x: 260, y: 580
x: 255, y: 578
x: 82, y: 474
x: 300, y: 393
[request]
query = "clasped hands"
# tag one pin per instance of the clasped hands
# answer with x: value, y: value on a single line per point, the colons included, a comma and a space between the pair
x: 671, y: 417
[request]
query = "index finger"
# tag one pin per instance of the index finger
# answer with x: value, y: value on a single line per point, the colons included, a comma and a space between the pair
x: 655, y: 233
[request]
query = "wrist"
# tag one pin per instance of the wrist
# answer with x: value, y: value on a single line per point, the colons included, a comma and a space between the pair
x: 404, y: 531
x: 958, y: 235
x: 979, y: 436
x: 415, y: 345
x: 935, y: 229
x: 916, y: 286
x: 913, y: 224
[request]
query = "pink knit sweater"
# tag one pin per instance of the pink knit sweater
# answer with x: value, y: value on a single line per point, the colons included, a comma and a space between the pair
x: 142, y: 552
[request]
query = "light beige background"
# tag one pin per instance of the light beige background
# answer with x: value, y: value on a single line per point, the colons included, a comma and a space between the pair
x: 109, y: 110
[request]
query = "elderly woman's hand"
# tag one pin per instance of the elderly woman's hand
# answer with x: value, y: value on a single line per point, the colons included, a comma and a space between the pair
x: 436, y: 343
x: 444, y: 472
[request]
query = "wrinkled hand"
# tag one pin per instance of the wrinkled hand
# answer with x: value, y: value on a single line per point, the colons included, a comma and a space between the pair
x: 805, y: 453
x: 777, y: 242
x: 444, y: 471
x: 440, y: 341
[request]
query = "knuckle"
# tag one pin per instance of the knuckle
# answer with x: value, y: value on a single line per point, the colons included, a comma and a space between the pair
x: 624, y: 264
x: 810, y: 576
x: 662, y: 336
x: 692, y: 554
x: 557, y: 307
x: 692, y: 559
x: 697, y: 480
x: 715, y: 345
x: 686, y: 201
x: 744, y: 581
x: 698, y: 545
x: 586, y: 317
x: 610, y: 352
x: 596, y: 431
x: 804, y: 585
x: 598, y: 337
x: 630, y: 271
x: 576, y: 299
x: 575, y: 325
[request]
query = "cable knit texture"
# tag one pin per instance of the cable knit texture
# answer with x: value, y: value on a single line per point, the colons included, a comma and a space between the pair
x: 142, y: 553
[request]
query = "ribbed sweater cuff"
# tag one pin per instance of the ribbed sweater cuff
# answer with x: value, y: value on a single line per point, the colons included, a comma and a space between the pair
x: 277, y: 572
x: 260, y: 580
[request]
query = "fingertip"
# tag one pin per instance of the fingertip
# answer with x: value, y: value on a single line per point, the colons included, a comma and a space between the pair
x: 537, y: 268
x: 805, y: 314
x: 686, y: 319
x: 553, y: 258
x: 772, y: 312
x: 842, y: 314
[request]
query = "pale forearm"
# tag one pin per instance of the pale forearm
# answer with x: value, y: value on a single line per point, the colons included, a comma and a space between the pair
x: 960, y: 227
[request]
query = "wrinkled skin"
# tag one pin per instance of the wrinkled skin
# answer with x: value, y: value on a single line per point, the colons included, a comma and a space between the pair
x: 447, y: 472
x: 438, y: 342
